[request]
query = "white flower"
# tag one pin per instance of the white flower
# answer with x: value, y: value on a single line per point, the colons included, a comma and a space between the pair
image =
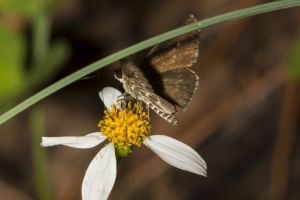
x: 101, y: 173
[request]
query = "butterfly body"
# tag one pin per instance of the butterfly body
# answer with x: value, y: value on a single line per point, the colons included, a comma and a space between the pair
x: 163, y: 80
x: 136, y: 85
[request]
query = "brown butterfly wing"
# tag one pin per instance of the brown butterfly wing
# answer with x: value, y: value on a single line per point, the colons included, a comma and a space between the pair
x: 166, y: 70
x: 137, y: 86
x: 132, y: 72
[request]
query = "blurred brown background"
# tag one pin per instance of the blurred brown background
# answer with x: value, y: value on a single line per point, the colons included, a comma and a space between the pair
x: 243, y: 119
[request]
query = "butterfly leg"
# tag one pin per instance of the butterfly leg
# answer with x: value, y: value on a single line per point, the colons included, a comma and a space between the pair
x: 122, y: 99
x: 148, y: 113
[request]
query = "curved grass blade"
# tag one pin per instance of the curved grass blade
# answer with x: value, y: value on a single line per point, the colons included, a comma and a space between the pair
x: 145, y: 44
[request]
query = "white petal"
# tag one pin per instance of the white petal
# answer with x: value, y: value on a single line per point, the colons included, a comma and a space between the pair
x: 82, y: 142
x: 100, y: 175
x: 176, y: 153
x: 109, y: 96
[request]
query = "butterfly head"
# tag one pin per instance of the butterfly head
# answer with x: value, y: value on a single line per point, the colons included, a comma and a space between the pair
x: 118, y: 74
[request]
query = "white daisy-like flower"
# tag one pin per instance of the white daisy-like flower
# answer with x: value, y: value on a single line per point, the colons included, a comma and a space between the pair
x: 124, y: 127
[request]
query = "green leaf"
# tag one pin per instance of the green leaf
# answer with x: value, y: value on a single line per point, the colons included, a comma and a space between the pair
x: 12, y: 56
x: 294, y: 64
x: 145, y: 44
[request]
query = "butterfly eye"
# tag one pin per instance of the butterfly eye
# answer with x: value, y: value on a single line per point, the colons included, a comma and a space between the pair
x: 118, y: 74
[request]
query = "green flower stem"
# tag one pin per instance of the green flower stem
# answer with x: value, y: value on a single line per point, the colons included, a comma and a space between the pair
x: 41, y: 29
x: 118, y: 160
x: 122, y: 152
x: 41, y: 25
x: 37, y: 126
x: 145, y: 44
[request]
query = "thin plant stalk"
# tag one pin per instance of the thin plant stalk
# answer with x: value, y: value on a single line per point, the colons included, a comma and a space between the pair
x: 41, y: 26
x: 268, y: 7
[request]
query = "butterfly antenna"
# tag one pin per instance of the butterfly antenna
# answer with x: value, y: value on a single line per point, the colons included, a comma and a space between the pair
x: 112, y: 69
x: 88, y: 77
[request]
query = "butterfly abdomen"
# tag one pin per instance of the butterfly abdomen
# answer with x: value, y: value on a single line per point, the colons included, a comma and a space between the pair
x: 168, y: 117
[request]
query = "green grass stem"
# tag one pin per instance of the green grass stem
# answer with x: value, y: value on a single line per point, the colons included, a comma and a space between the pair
x: 145, y: 44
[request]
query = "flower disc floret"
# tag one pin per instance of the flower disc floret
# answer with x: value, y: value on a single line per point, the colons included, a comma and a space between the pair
x: 125, y: 126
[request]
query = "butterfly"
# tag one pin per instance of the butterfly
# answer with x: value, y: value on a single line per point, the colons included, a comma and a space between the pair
x: 163, y: 80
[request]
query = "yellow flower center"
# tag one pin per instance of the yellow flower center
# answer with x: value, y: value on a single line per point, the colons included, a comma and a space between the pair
x: 125, y: 127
